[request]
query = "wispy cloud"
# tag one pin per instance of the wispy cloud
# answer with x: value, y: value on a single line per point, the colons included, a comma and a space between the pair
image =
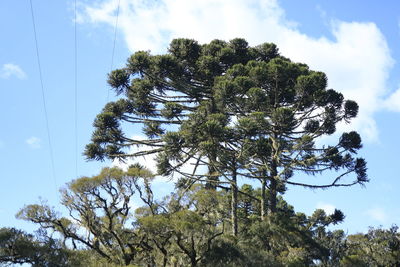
x: 33, y: 142
x: 328, y: 208
x: 377, y: 214
x: 356, y: 61
x: 8, y: 70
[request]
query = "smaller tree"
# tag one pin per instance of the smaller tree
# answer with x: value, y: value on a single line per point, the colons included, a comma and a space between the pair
x: 182, y: 229
x: 185, y: 232
x: 378, y: 247
x: 18, y: 247
x: 100, y: 212
x: 39, y: 250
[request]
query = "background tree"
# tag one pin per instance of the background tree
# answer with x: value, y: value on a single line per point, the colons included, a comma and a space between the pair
x: 378, y: 247
x: 102, y: 219
x: 18, y: 247
x: 107, y: 226
x: 191, y: 221
x: 40, y: 249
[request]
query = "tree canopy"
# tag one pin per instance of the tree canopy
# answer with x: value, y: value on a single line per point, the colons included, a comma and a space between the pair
x: 241, y: 111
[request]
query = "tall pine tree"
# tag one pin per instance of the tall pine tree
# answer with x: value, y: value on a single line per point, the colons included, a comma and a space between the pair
x: 241, y: 111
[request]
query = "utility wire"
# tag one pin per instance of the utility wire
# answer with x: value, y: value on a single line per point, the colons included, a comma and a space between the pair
x: 76, y: 97
x: 43, y: 98
x: 113, y: 50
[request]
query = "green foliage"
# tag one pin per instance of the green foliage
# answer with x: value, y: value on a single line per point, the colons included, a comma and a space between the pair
x: 187, y: 228
x: 18, y: 247
x: 378, y: 247
x: 101, y: 207
x: 239, y: 110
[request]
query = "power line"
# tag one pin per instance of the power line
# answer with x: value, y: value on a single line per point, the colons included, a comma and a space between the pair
x: 43, y: 98
x: 76, y: 98
x: 113, y: 50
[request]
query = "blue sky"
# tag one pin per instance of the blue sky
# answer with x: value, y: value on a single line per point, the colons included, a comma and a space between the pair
x: 355, y: 43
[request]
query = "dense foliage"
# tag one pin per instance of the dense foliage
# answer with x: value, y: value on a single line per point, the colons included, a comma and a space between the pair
x: 190, y: 227
x: 215, y: 116
x: 240, y: 111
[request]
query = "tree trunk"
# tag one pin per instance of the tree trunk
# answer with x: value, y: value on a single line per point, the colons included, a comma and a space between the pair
x: 263, y: 197
x: 273, y: 186
x: 165, y: 258
x: 212, y: 179
x: 272, y: 196
x: 193, y: 262
x: 234, y: 203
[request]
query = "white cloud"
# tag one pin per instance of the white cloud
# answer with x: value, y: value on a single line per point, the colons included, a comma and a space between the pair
x: 356, y: 61
x: 328, y: 208
x: 33, y: 142
x: 11, y: 69
x: 377, y: 214
x: 392, y: 103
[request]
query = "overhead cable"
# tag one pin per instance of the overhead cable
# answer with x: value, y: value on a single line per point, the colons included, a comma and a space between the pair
x: 113, y: 50
x: 76, y: 95
x: 43, y: 98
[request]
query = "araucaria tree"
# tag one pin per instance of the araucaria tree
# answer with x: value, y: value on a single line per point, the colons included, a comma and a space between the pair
x: 242, y: 111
